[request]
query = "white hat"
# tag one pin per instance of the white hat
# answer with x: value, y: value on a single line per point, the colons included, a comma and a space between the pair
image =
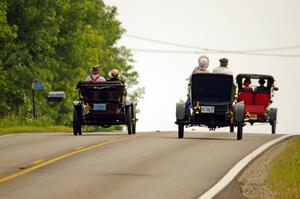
x: 203, y: 61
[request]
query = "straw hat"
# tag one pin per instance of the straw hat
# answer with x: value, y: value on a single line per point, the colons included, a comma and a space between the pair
x: 114, y: 73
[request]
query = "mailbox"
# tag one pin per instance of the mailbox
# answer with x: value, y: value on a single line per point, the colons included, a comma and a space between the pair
x: 56, y: 96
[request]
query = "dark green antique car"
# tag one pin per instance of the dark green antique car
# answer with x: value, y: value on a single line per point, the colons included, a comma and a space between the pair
x: 103, y: 104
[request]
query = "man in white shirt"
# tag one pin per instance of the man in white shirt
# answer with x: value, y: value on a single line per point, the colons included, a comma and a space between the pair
x: 223, y: 67
x: 95, y: 77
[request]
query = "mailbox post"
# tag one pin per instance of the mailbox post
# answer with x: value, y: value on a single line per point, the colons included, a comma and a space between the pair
x: 35, y: 86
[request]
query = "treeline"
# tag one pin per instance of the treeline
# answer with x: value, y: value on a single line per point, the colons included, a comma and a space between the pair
x: 56, y: 42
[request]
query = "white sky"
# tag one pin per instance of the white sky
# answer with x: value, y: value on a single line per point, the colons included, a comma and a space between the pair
x: 218, y: 24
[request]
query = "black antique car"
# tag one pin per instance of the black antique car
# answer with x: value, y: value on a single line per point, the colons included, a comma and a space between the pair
x: 211, y: 99
x: 103, y: 104
x: 255, y: 91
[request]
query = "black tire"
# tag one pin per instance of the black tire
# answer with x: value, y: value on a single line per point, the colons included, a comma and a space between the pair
x: 273, y: 126
x: 180, y: 130
x: 133, y: 120
x: 79, y: 129
x: 76, y: 122
x: 129, y: 119
x: 239, y: 131
x: 133, y: 128
x: 231, y: 128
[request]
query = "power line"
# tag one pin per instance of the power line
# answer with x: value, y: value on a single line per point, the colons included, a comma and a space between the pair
x: 253, y: 52
x: 273, y: 49
x: 211, y: 52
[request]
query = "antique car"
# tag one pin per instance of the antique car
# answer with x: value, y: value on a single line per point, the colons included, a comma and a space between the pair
x: 257, y: 98
x: 103, y: 104
x: 211, y: 99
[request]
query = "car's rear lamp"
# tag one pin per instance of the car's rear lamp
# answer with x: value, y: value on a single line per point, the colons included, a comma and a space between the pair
x: 56, y: 96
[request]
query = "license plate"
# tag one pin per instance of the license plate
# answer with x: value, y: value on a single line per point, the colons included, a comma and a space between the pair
x: 207, y: 109
x: 99, y: 107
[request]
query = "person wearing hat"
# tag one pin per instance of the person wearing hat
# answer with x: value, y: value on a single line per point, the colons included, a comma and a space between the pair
x: 95, y: 76
x: 114, y: 75
x: 223, y: 68
x: 203, y: 62
x: 246, y: 84
x: 261, y: 87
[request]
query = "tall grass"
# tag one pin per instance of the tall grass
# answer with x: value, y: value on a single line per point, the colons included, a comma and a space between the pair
x: 16, y: 124
x: 284, y: 177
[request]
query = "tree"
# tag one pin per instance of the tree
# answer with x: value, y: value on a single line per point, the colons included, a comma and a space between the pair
x: 56, y: 42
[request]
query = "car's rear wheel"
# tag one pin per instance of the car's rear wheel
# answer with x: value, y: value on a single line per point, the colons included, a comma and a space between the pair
x: 180, y: 130
x: 273, y: 126
x: 129, y: 119
x: 133, y: 120
x: 231, y: 128
x: 76, y: 122
x: 239, y: 131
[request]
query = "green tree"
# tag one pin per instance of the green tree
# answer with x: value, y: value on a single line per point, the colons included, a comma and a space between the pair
x: 56, y: 42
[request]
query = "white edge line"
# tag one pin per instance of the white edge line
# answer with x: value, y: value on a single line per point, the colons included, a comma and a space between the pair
x: 236, y: 169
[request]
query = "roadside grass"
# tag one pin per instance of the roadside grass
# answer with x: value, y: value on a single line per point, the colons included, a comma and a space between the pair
x: 33, y: 129
x: 284, y: 176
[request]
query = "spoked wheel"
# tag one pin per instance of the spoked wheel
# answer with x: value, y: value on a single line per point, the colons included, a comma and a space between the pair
x: 180, y: 130
x: 231, y: 128
x: 273, y: 125
x: 239, y: 131
x: 129, y: 120
x: 76, y: 122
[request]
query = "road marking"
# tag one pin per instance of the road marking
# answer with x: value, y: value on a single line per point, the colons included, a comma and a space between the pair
x: 78, y: 148
x: 61, y: 157
x: 236, y: 169
x: 37, y: 161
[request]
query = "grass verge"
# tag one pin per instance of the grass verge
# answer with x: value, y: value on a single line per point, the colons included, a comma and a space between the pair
x: 284, y: 176
x: 32, y: 129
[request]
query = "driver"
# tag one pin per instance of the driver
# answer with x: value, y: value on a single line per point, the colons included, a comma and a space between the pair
x: 95, y: 77
x: 223, y: 68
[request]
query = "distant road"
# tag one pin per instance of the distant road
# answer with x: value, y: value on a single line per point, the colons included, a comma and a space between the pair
x: 115, y: 165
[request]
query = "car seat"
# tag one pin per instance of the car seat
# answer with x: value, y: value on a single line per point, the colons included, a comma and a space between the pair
x: 246, y: 95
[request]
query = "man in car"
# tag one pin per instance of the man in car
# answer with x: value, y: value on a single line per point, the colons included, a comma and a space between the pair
x: 95, y: 77
x: 261, y: 87
x: 223, y: 68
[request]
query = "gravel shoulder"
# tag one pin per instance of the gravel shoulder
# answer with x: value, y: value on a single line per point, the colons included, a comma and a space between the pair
x: 251, y: 182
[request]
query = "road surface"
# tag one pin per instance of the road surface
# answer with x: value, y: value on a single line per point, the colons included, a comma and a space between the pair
x: 115, y: 165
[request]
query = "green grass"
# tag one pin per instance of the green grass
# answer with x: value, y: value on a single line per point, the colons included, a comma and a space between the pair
x: 33, y: 129
x: 284, y: 176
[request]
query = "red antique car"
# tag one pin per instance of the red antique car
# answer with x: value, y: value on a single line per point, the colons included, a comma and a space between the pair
x: 256, y: 100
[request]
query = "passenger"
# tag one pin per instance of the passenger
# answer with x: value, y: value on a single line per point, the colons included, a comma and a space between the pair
x: 203, y: 62
x: 95, y: 77
x: 246, y: 84
x: 223, y: 68
x: 114, y: 75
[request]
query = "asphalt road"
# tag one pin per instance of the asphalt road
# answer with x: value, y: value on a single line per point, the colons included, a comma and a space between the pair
x: 115, y: 165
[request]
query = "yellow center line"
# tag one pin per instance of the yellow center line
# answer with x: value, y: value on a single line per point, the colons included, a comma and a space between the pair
x: 53, y: 160
x: 37, y: 161
x: 78, y: 148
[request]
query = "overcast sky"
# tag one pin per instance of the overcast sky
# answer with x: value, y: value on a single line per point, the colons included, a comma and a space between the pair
x: 214, y: 24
